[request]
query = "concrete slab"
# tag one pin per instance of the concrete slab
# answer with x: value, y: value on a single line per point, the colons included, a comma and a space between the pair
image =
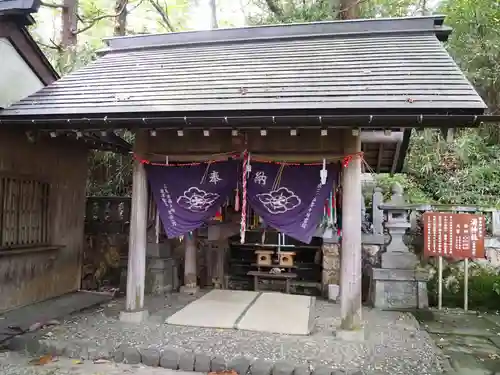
x: 216, y: 309
x: 55, y: 308
x: 279, y: 313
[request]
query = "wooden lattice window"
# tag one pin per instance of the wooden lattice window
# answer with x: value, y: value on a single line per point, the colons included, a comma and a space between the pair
x: 24, y: 216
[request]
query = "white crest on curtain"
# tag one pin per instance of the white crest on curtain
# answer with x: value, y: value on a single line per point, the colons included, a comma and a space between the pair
x: 279, y: 201
x: 197, y: 200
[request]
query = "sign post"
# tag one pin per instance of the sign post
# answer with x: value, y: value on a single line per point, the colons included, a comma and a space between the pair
x: 457, y: 236
x: 466, y: 284
x: 440, y: 282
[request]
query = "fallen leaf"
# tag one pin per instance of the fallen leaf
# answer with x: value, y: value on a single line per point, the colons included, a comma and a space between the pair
x: 43, y: 360
x: 226, y: 372
x: 35, y: 327
x: 101, y: 361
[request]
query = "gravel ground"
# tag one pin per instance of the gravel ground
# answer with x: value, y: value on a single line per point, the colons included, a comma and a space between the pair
x: 394, y: 343
x: 16, y: 364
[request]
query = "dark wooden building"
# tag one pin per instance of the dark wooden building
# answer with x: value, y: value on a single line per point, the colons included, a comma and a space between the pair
x: 42, y: 179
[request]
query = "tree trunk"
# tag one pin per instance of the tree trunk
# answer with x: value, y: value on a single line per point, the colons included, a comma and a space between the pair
x: 213, y: 14
x: 69, y: 39
x: 120, y: 28
x: 69, y: 23
x: 423, y: 7
x: 348, y: 9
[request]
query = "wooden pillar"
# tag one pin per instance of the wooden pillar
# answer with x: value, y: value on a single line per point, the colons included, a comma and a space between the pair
x: 350, y: 273
x: 136, y: 272
x: 190, y: 273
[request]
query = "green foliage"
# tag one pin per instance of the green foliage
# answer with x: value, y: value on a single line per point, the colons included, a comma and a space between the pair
x: 109, y: 174
x: 412, y: 192
x: 467, y: 170
x: 464, y: 171
x: 475, y: 43
x: 484, y: 287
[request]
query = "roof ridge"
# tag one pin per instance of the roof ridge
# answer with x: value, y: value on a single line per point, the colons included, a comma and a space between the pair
x: 359, y: 27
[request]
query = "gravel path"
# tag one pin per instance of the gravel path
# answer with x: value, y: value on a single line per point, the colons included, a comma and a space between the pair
x: 394, y: 344
x: 16, y: 364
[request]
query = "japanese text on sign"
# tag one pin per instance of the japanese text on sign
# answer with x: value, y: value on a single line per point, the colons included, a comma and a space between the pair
x: 454, y: 235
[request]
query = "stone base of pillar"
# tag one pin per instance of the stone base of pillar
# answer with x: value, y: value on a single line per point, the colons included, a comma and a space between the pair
x: 161, y: 275
x: 331, y: 266
x: 134, y: 316
x: 398, y: 289
x: 186, y: 289
x: 356, y: 335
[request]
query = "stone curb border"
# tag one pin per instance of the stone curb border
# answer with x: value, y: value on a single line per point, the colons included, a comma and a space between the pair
x: 169, y: 358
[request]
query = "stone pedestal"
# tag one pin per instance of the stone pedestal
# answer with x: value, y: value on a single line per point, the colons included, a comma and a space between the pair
x: 398, y: 289
x: 161, y: 271
x: 161, y: 276
x: 397, y: 284
x: 331, y: 265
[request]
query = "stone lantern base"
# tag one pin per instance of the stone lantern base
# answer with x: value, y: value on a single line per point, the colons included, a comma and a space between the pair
x: 398, y: 288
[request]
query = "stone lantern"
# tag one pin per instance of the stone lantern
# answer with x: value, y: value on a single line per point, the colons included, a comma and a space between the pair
x: 397, y: 283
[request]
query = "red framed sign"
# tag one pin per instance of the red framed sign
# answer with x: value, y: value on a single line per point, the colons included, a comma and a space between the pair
x: 453, y: 235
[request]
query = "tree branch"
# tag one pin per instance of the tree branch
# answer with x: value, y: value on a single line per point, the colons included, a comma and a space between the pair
x: 163, y: 14
x: 104, y: 16
x: 275, y: 8
x: 51, y: 5
x: 53, y: 45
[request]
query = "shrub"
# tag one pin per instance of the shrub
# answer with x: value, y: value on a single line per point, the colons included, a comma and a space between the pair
x: 484, y: 286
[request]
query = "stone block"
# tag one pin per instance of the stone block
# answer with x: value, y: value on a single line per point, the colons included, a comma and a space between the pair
x: 399, y: 260
x: 17, y: 344
x: 159, y: 275
x: 73, y: 351
x: 170, y: 359
x: 131, y: 356
x: 150, y: 357
x: 262, y: 368
x: 134, y: 316
x: 33, y: 345
x: 57, y: 348
x: 117, y: 354
x: 186, y: 361
x: 239, y: 364
x: 398, y: 288
x: 322, y: 370
x: 99, y: 353
x: 302, y: 370
x: 189, y: 289
x: 355, y: 335
x: 218, y: 364
x: 283, y: 368
x: 202, y: 363
x: 159, y: 250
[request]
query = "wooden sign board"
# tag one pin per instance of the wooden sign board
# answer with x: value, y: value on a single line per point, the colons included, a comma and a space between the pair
x: 459, y: 236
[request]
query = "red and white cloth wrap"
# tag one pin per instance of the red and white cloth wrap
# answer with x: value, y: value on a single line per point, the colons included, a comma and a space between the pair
x: 244, y: 177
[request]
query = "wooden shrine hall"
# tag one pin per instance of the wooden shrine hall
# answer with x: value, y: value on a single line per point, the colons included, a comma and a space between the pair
x: 344, y: 92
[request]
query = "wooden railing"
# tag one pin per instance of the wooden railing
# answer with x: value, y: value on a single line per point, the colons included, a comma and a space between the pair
x: 107, y: 215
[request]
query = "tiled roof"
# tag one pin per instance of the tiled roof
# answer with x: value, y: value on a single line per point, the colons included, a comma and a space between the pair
x: 395, y: 66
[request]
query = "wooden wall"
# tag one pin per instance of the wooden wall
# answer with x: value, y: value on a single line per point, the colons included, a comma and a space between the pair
x: 32, y: 275
x: 279, y: 141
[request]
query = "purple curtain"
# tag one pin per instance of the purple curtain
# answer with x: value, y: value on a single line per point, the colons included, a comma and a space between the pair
x: 290, y: 198
x: 187, y: 196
